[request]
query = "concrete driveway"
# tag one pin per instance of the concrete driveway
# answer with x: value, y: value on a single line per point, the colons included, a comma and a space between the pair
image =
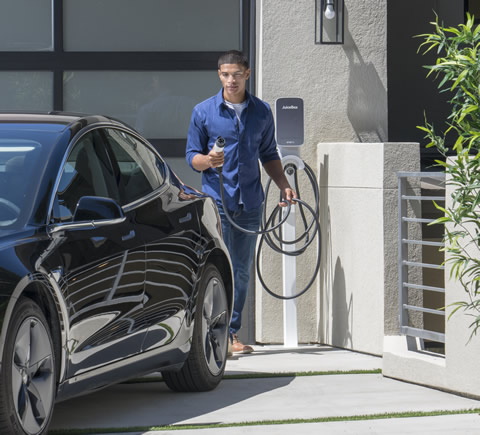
x: 308, y: 394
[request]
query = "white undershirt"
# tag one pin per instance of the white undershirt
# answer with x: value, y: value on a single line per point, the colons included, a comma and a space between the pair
x: 238, y: 107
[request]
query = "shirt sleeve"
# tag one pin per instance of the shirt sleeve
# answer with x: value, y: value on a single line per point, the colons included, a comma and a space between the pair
x: 268, y: 148
x: 197, y: 139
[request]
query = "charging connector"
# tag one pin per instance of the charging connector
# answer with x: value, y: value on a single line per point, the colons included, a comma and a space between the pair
x: 218, y: 147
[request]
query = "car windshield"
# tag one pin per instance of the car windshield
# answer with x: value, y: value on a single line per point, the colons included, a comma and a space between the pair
x: 23, y: 152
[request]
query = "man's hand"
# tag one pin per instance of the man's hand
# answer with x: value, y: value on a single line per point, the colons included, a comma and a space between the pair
x: 202, y: 162
x: 215, y: 159
x: 274, y: 169
x: 289, y: 195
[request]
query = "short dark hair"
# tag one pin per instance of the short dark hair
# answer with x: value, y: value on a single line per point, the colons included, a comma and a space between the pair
x: 233, y: 56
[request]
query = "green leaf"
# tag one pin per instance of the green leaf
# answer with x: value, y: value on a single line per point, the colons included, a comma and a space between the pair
x: 420, y: 127
x: 459, y: 144
x: 459, y: 79
x: 457, y: 70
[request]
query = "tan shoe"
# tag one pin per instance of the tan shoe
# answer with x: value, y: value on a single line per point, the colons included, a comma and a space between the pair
x: 239, y: 347
x: 229, y: 348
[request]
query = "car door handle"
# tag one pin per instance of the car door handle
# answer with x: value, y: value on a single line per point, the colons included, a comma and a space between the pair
x: 98, y: 241
x: 129, y: 236
x: 186, y: 218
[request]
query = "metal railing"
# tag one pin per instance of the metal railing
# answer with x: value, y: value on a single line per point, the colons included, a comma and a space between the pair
x: 404, y: 242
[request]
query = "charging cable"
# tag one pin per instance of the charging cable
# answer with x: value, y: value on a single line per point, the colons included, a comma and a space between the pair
x: 311, y: 229
x: 269, y: 233
x: 218, y: 147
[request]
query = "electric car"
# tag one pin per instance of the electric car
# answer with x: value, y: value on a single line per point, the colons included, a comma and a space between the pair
x: 110, y: 267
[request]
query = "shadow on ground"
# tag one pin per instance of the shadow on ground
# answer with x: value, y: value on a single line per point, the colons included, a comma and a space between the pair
x: 153, y: 404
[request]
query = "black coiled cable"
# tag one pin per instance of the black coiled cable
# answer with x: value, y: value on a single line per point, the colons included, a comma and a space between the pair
x: 311, y: 229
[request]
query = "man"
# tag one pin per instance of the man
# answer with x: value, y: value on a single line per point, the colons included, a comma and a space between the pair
x: 246, y: 124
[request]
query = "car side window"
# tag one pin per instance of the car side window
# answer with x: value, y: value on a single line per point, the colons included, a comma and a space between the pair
x: 140, y: 169
x: 87, y: 172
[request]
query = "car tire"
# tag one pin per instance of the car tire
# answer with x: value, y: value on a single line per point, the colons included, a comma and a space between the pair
x: 28, y: 375
x: 206, y: 362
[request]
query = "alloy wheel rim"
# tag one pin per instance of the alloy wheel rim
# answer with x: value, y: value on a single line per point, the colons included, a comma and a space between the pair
x: 215, y: 326
x: 32, y: 375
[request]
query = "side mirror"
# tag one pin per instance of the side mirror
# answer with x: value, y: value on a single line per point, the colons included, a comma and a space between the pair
x: 94, y: 208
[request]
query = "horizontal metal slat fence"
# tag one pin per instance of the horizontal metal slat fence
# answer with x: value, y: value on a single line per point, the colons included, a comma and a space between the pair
x: 404, y: 241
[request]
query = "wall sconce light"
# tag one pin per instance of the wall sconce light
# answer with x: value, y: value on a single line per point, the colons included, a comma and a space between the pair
x: 329, y: 21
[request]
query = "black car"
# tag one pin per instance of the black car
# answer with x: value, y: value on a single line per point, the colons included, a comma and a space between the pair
x: 110, y: 267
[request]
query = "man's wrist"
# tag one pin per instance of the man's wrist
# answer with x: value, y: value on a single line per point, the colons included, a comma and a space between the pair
x: 201, y: 162
x: 206, y: 161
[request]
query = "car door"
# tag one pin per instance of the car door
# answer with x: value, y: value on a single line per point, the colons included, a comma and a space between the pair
x: 102, y: 266
x: 170, y: 229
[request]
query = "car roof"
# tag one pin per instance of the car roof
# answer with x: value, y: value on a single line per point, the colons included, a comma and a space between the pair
x: 64, y: 118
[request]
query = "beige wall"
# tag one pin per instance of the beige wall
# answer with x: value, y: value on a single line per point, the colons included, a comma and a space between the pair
x: 344, y: 88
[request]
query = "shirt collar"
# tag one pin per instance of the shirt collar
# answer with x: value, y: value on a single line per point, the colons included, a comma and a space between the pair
x: 219, y: 98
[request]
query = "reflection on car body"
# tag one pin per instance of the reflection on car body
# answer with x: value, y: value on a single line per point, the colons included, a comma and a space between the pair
x: 110, y: 267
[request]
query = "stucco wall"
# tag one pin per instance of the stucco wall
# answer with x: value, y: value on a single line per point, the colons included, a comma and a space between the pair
x: 344, y: 88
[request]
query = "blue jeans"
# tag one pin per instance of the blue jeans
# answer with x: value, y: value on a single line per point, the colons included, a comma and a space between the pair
x: 241, y: 247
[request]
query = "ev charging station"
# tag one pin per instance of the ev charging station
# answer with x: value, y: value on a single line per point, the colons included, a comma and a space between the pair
x: 290, y: 137
x: 289, y: 119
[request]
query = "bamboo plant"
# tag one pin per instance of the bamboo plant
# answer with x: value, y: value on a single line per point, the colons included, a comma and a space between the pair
x: 457, y: 68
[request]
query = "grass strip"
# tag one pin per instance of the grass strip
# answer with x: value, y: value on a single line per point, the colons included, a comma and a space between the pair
x: 269, y: 375
x: 408, y: 414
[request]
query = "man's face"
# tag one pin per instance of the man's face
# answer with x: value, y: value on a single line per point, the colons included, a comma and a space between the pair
x: 234, y: 78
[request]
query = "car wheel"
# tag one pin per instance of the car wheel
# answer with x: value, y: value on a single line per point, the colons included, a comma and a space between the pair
x: 27, y: 379
x: 205, y: 365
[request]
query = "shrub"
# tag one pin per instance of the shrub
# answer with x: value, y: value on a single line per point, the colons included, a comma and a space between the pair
x: 458, y: 69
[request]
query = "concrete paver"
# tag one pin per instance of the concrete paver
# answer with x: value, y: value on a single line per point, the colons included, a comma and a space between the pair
x: 279, y: 359
x: 250, y: 400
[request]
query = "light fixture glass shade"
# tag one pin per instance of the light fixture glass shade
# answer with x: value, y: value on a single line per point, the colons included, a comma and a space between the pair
x: 329, y: 12
x: 329, y: 21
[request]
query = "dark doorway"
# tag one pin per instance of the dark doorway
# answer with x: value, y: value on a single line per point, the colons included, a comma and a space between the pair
x: 411, y: 95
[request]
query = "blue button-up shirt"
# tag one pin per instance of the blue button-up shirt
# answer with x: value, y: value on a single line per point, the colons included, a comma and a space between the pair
x: 246, y: 141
